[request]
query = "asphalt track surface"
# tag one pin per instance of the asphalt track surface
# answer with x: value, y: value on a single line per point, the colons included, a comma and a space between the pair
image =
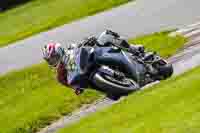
x: 134, y: 18
x: 186, y: 59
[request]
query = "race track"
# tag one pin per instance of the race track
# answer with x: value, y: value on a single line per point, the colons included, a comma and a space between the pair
x: 186, y: 59
x: 134, y: 18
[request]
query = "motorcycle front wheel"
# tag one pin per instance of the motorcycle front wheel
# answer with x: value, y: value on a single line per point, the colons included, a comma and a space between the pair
x: 112, y: 86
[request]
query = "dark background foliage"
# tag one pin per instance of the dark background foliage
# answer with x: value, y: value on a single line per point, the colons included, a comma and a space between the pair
x: 6, y: 4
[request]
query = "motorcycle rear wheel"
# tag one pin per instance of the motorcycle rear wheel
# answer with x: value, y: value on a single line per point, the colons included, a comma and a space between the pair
x: 166, y: 71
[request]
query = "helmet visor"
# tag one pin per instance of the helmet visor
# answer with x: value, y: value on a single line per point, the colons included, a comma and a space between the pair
x: 53, y: 60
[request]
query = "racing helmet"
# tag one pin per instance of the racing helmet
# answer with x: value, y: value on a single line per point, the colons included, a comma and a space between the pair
x: 53, y: 53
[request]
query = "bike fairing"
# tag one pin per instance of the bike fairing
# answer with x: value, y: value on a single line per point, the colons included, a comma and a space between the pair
x: 70, y: 66
x: 77, y: 78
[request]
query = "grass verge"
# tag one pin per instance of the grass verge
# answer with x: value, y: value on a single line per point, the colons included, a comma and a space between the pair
x: 31, y: 98
x: 169, y: 107
x: 39, y: 15
x: 160, y: 42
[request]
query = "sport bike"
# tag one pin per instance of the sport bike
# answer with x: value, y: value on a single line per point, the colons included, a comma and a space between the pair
x: 118, y: 71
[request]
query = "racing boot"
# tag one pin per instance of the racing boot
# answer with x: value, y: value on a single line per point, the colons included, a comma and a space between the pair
x: 148, y: 56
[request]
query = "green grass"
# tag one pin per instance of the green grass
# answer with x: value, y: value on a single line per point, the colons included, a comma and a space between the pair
x: 160, y: 42
x: 39, y: 15
x: 31, y: 98
x: 169, y: 107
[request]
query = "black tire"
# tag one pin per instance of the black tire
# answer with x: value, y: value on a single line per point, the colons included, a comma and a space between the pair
x: 2, y: 9
x: 166, y: 71
x: 113, y: 97
x: 102, y: 82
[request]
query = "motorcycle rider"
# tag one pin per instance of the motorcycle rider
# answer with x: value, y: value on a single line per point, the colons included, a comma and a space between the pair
x: 64, y: 59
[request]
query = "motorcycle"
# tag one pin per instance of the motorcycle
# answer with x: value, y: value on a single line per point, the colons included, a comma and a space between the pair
x: 115, y: 79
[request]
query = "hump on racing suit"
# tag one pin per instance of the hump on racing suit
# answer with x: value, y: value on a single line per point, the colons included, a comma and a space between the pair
x: 71, y: 71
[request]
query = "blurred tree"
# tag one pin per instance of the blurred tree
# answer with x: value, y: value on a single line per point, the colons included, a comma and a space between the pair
x: 6, y: 4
